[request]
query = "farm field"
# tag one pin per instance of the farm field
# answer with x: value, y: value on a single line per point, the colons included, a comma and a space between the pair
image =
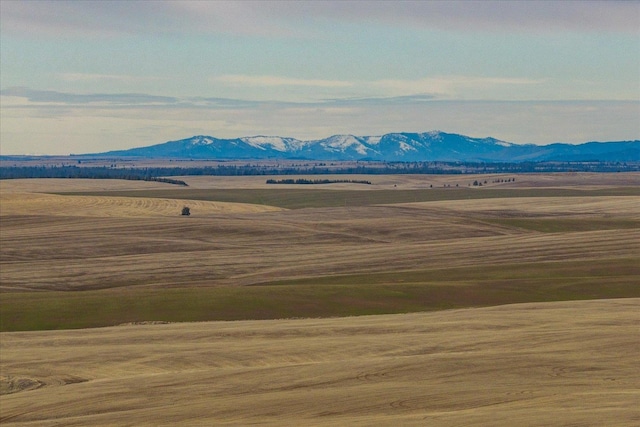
x: 559, y: 363
x: 112, y: 304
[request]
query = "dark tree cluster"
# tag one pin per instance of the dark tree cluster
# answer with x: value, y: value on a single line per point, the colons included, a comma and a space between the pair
x: 15, y: 172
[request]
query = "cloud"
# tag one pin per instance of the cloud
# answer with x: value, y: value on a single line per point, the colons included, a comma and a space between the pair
x: 388, y: 100
x: 220, y: 103
x: 286, y: 18
x: 330, y: 93
x: 50, y: 96
x: 23, y: 97
x: 450, y: 86
x: 383, y: 90
x: 115, y: 78
x: 245, y: 80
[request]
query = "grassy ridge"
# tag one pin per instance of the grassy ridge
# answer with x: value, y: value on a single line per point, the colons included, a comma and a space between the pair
x: 293, y: 198
x: 361, y: 294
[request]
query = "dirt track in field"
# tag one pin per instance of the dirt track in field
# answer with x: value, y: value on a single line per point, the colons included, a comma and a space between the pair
x: 566, y: 363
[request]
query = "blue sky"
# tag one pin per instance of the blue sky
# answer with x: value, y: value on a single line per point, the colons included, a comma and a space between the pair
x: 79, y: 77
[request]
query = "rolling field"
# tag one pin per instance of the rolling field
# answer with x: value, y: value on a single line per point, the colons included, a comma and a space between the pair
x: 560, y: 364
x: 78, y: 254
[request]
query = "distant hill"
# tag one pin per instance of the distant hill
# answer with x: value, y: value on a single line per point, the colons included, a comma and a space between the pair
x: 404, y: 147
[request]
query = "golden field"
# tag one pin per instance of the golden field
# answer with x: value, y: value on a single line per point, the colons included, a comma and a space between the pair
x: 553, y: 260
x: 560, y: 364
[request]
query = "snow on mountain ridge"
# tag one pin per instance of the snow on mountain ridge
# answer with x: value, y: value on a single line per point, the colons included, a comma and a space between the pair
x: 503, y: 143
x: 202, y: 140
x: 372, y: 140
x: 275, y: 142
x: 435, y: 135
x: 343, y: 143
x: 406, y: 147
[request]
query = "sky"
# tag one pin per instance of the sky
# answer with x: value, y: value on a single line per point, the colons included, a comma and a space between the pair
x: 94, y: 76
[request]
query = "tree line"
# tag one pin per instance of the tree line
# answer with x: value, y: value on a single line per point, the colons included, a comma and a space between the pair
x: 316, y: 181
x: 15, y: 172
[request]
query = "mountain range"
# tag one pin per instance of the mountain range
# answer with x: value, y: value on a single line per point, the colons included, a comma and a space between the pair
x: 405, y: 147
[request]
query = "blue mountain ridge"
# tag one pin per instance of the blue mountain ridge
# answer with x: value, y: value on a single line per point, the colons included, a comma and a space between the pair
x: 405, y: 147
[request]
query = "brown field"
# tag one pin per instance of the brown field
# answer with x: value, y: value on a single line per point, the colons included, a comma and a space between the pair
x: 100, y: 241
x: 119, y: 252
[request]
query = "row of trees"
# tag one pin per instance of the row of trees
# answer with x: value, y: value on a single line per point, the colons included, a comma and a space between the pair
x: 15, y: 172
x: 316, y: 181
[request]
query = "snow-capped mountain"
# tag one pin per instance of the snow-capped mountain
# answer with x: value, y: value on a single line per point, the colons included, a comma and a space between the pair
x: 409, y: 147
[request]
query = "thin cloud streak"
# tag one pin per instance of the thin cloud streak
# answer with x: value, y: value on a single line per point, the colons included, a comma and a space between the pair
x: 15, y: 97
x: 441, y: 87
x: 450, y: 87
x: 245, y: 80
x: 110, y: 78
x: 22, y: 97
x: 50, y: 96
